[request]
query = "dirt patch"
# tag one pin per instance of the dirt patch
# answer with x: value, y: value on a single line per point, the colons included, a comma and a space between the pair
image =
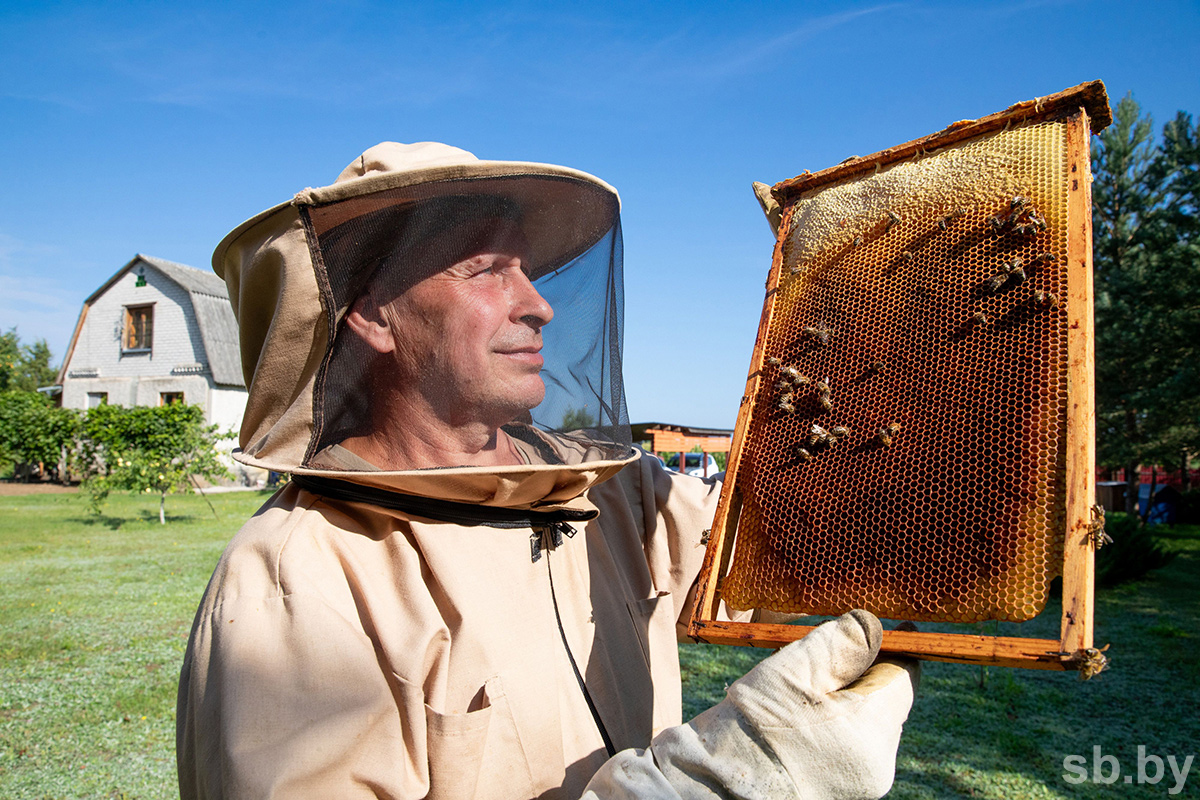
x: 9, y: 489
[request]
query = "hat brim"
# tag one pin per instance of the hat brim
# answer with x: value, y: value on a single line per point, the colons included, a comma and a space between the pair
x: 564, y: 211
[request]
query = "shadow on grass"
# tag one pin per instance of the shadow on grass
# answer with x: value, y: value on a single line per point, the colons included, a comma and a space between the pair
x: 115, y: 523
x: 152, y: 516
x: 112, y: 523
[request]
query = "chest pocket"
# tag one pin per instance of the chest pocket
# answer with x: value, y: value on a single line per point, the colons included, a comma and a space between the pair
x: 477, y: 754
x: 654, y: 620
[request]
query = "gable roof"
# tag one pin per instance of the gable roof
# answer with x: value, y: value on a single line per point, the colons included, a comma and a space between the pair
x: 214, y: 316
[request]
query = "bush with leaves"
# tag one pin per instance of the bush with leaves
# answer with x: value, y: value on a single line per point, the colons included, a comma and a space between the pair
x: 1133, y: 552
x: 34, y: 432
x: 156, y: 450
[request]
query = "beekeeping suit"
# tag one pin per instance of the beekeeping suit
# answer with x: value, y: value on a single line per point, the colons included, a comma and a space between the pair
x: 473, y: 584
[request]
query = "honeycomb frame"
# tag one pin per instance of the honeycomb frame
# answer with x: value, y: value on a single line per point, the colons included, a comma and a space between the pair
x: 814, y: 457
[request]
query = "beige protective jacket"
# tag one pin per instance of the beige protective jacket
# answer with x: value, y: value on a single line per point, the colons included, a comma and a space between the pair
x: 342, y: 650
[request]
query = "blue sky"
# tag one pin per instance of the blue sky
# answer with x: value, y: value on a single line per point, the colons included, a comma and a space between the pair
x: 155, y: 128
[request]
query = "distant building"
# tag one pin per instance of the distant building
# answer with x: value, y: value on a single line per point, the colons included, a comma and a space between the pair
x: 157, y: 332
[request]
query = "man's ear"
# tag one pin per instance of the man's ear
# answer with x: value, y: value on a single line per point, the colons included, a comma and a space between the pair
x: 366, y: 319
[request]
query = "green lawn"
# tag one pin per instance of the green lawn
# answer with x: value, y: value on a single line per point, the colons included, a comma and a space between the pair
x: 94, y: 618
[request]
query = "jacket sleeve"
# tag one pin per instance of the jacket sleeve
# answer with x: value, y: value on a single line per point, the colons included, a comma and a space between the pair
x: 815, y: 720
x: 240, y: 733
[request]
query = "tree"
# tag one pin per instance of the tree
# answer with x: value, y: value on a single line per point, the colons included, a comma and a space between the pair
x: 1147, y: 278
x: 575, y: 419
x: 1180, y: 246
x: 157, y: 450
x: 24, y: 367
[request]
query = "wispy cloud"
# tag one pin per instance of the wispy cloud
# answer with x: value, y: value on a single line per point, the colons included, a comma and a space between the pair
x: 752, y: 55
x: 40, y: 307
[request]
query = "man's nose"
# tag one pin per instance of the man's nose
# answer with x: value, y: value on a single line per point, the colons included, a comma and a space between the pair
x: 529, y: 306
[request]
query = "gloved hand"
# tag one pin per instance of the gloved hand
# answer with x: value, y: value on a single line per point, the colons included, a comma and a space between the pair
x: 814, y: 720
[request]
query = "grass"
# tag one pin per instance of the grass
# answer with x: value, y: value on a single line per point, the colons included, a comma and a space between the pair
x: 95, y: 614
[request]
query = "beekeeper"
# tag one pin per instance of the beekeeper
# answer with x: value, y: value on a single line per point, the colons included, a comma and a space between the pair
x: 473, y: 584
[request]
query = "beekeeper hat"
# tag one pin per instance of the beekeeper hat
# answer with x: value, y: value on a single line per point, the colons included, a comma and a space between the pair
x: 563, y: 211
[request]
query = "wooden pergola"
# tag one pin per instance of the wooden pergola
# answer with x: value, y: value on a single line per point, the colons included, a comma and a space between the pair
x: 667, y: 438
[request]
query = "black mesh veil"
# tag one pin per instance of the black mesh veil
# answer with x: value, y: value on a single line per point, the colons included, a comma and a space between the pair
x: 385, y: 251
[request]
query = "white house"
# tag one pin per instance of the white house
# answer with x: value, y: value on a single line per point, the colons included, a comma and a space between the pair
x: 157, y: 332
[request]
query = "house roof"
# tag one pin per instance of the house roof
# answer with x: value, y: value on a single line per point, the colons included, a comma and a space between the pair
x: 214, y: 316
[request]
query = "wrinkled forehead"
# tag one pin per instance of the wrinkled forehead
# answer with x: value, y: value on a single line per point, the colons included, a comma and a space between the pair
x: 395, y: 247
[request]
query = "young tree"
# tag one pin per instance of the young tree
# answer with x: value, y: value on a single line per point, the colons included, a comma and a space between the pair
x: 158, y: 450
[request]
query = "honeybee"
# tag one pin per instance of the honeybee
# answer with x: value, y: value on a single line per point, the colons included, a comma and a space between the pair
x: 885, y: 434
x: 907, y: 256
x: 795, y: 268
x: 994, y: 283
x: 1018, y: 202
x: 790, y: 372
x: 1044, y: 258
x: 1095, y: 529
x: 773, y: 361
x: 978, y: 318
x: 802, y: 380
x: 825, y: 401
x: 840, y: 431
x: 821, y: 335
x: 943, y: 222
x: 858, y: 240
x: 996, y: 223
x: 1017, y: 274
x: 783, y: 386
x: 1092, y: 662
x: 876, y: 366
x: 1015, y: 264
x: 1037, y: 220
x: 892, y: 219
x: 803, y: 455
x: 822, y: 387
x: 786, y: 404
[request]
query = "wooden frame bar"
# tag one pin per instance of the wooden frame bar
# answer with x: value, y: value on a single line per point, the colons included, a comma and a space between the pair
x: 1083, y: 106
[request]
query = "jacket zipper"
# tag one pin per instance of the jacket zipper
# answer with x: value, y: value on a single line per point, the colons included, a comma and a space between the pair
x: 555, y: 535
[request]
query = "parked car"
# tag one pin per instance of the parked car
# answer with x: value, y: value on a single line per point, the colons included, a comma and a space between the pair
x: 693, y: 464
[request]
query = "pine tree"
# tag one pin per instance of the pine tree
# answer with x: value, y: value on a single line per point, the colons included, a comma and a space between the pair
x: 1125, y: 193
x: 1176, y: 235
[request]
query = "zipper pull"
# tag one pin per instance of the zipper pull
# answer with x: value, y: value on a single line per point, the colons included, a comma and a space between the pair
x: 535, y: 545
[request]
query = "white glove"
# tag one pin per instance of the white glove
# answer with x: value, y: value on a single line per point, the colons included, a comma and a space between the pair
x: 810, y: 721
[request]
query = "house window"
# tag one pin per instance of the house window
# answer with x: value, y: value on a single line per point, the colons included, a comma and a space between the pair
x: 97, y: 399
x: 139, y: 327
x: 166, y: 398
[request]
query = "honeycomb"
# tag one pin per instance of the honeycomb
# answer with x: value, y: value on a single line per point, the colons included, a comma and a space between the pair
x: 905, y: 450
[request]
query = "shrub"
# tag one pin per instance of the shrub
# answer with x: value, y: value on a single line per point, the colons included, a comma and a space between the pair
x: 1133, y: 552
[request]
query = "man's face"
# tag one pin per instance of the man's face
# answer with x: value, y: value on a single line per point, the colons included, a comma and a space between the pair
x: 467, y: 340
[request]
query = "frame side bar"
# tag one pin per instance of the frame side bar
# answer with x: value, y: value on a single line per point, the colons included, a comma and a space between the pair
x: 720, y: 541
x: 1079, y: 556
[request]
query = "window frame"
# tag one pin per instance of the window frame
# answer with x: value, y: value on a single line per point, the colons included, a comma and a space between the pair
x: 127, y: 328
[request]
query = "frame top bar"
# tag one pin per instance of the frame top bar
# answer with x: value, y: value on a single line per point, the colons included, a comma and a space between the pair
x: 1091, y: 96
